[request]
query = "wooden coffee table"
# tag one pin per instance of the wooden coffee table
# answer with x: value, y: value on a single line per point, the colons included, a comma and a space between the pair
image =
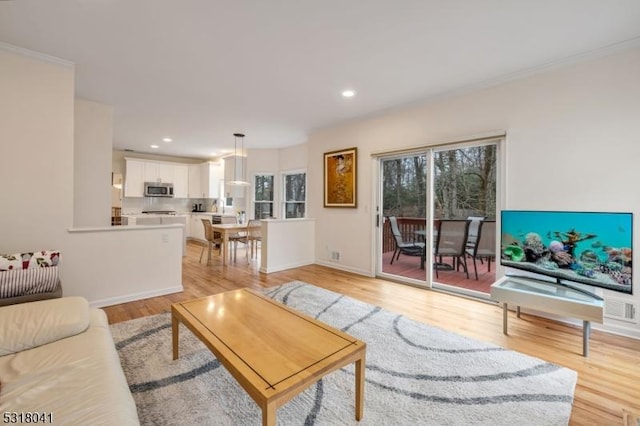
x: 272, y: 351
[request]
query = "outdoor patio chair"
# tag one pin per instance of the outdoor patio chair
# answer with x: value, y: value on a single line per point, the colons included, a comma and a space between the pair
x: 485, y: 247
x: 414, y: 248
x: 473, y: 230
x: 451, y: 242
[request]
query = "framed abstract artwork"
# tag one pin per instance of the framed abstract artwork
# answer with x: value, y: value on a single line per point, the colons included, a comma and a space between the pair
x: 340, y: 178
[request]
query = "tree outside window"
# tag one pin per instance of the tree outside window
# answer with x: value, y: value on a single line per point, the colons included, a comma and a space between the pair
x: 263, y: 196
x: 295, y: 199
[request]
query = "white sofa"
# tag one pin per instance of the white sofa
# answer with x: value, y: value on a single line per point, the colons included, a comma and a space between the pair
x: 58, y: 359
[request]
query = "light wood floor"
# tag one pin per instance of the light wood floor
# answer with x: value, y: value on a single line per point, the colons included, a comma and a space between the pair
x: 608, y: 380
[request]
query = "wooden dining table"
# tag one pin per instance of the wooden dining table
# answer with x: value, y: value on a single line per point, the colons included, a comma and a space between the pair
x: 228, y: 229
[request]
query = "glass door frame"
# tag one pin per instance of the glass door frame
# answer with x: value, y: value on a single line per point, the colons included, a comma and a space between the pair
x: 499, y: 141
x: 379, y: 221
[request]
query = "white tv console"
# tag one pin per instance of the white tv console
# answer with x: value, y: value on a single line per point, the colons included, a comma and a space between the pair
x: 549, y: 297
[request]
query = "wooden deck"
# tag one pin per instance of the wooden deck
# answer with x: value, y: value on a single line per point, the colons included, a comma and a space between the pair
x: 409, y: 267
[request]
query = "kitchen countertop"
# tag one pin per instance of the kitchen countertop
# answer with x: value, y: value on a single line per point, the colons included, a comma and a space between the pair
x: 155, y: 215
x: 178, y: 214
x: 215, y: 213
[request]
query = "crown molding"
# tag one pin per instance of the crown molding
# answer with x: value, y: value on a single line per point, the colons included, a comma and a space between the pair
x: 36, y: 55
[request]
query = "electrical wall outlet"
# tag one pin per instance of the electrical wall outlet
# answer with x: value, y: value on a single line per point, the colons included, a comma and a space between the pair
x: 335, y: 256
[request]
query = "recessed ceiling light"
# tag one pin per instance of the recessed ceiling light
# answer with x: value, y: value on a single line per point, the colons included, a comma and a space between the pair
x: 155, y: 146
x: 349, y: 93
x: 167, y: 140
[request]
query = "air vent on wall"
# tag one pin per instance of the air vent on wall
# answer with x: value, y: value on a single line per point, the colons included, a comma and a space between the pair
x: 621, y: 310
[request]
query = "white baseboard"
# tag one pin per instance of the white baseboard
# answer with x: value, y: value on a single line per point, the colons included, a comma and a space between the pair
x: 268, y: 270
x: 133, y: 297
x: 344, y: 268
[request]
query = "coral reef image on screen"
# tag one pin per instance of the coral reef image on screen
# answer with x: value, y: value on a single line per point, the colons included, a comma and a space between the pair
x: 586, y: 247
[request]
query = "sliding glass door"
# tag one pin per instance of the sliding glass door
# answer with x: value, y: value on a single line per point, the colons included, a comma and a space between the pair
x: 464, y: 195
x: 433, y: 207
x: 403, y: 216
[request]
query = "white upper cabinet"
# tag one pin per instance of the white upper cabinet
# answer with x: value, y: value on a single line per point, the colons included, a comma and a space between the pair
x: 210, y: 175
x: 181, y: 181
x: 159, y: 172
x: 140, y: 171
x: 134, y: 178
x: 204, y: 179
x: 194, y: 181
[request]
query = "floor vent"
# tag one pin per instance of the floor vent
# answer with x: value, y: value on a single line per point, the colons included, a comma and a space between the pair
x: 621, y: 310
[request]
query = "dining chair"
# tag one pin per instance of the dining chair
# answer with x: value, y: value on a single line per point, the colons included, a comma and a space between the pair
x: 255, y: 236
x: 238, y: 237
x: 451, y: 242
x: 414, y: 248
x: 485, y: 247
x: 209, y: 235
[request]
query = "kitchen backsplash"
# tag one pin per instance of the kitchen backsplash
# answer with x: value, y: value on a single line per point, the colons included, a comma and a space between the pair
x: 131, y: 205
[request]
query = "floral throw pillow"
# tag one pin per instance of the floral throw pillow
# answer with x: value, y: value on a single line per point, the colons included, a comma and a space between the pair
x: 42, y: 258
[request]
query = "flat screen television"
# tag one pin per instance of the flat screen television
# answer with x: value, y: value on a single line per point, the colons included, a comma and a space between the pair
x: 593, y: 248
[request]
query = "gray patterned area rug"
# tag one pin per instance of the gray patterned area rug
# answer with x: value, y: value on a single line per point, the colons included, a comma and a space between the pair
x: 416, y: 375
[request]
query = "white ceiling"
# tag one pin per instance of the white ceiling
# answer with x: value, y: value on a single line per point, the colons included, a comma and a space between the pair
x: 199, y: 70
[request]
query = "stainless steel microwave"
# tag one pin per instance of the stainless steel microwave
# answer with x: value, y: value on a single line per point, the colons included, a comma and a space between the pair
x: 154, y: 189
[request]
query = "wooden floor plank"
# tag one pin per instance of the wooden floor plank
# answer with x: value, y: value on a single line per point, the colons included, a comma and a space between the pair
x: 608, y: 380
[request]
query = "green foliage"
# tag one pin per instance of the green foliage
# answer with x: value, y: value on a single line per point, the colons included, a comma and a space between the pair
x: 464, y: 184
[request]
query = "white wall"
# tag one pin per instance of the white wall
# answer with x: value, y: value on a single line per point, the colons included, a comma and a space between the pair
x: 286, y: 244
x: 37, y: 167
x: 92, y: 148
x: 124, y: 263
x: 294, y: 157
x: 572, y: 144
x: 36, y: 151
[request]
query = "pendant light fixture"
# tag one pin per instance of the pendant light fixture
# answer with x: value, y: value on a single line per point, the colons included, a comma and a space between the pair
x: 240, y: 162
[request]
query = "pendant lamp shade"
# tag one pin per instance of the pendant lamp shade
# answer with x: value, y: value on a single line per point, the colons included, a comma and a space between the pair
x: 240, y: 162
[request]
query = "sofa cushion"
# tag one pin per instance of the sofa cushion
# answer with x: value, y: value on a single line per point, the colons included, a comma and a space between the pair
x: 78, y: 379
x: 29, y: 325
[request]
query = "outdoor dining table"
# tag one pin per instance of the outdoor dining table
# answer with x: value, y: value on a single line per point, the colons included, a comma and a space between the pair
x: 422, y: 233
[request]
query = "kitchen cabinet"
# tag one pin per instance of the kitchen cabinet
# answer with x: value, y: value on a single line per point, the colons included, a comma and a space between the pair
x: 210, y: 175
x: 139, y: 171
x: 159, y: 172
x: 181, y: 181
x: 196, y: 228
x: 204, y: 180
x: 194, y: 181
x: 134, y: 178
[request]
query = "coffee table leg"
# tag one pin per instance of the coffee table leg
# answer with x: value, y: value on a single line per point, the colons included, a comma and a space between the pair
x: 360, y: 367
x: 269, y: 414
x: 174, y: 333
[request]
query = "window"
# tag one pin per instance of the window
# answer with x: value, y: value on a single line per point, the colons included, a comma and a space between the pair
x: 295, y: 194
x: 263, y: 196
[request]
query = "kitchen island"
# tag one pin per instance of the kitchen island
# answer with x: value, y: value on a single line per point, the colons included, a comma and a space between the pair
x: 158, y: 219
